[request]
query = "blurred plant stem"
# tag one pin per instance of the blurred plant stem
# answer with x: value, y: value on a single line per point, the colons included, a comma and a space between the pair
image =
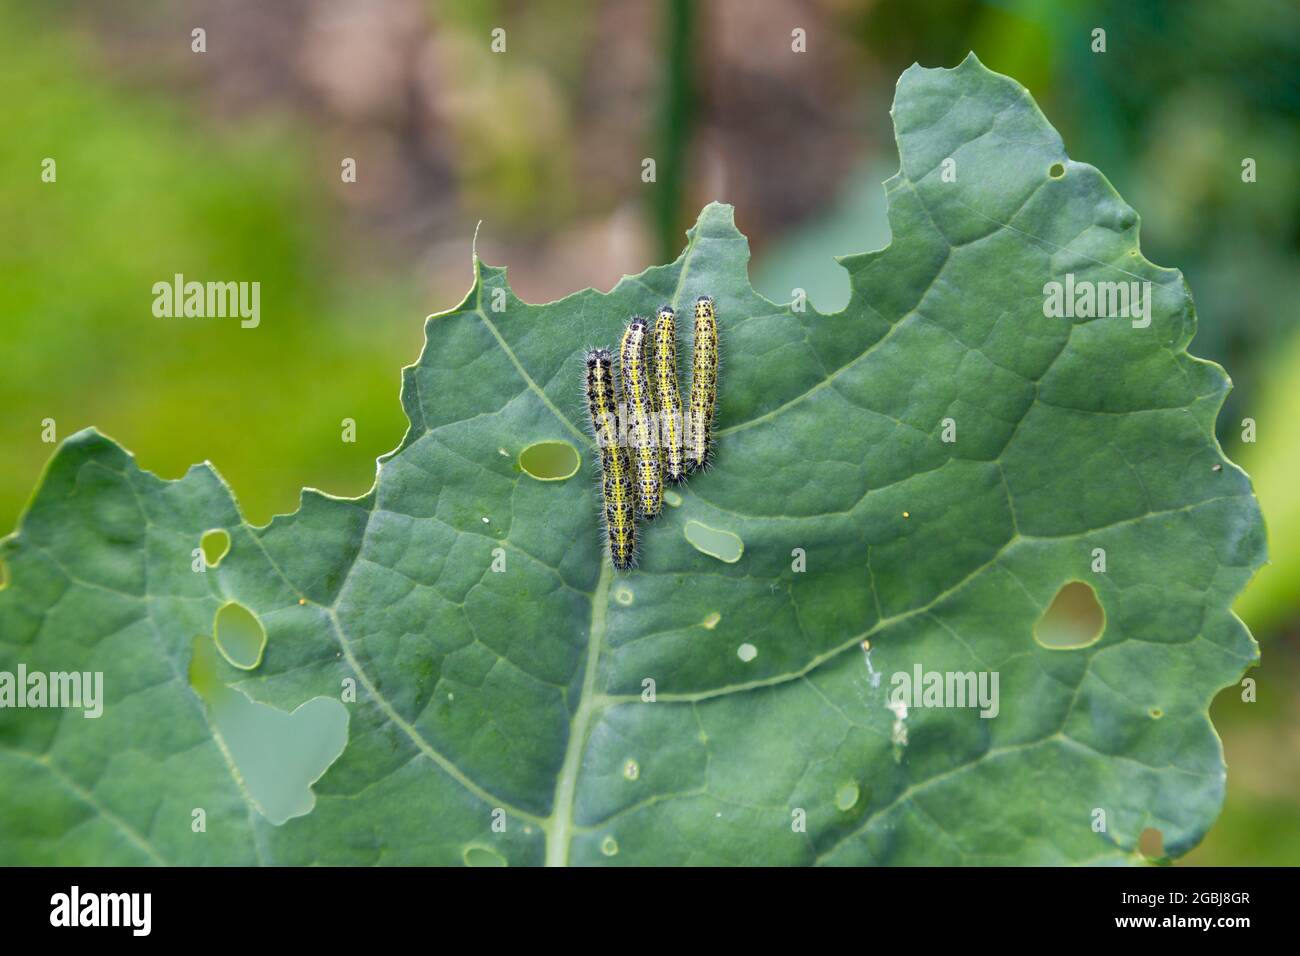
x: 672, y: 133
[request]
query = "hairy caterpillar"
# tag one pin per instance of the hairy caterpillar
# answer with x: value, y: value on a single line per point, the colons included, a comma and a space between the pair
x: 640, y: 410
x: 615, y: 470
x: 704, y: 386
x: 667, y: 398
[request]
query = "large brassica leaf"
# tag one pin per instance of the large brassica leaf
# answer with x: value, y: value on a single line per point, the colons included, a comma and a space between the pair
x: 840, y: 540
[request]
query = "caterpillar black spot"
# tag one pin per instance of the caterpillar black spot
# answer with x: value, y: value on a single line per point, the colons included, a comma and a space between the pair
x: 615, y: 469
x: 639, y: 403
x: 668, y: 399
x: 704, y: 386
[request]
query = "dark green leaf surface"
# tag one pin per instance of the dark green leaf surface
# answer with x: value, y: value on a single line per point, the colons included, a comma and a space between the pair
x: 523, y: 690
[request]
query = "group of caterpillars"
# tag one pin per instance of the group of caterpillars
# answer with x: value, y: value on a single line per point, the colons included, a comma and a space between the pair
x: 655, y: 443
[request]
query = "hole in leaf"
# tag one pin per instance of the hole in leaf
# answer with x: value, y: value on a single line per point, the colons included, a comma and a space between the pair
x: 1056, y: 171
x: 277, y: 755
x: 672, y: 498
x: 1156, y: 713
x: 239, y: 635
x: 482, y: 856
x: 1151, y: 844
x: 215, y: 545
x: 623, y: 596
x: 1073, y: 620
x: 846, y: 797
x: 550, y: 460
x: 711, y: 621
x: 747, y: 652
x: 722, y: 545
x: 609, y: 846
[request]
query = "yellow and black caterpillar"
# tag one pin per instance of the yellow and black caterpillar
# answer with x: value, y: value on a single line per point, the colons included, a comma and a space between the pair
x: 704, y: 386
x: 668, y: 399
x: 642, y: 440
x: 615, y: 468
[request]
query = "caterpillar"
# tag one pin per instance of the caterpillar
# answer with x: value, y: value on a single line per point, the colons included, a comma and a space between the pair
x: 640, y: 410
x: 615, y: 470
x: 667, y: 399
x: 704, y: 386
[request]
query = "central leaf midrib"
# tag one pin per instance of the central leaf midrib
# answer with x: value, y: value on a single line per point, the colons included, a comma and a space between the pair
x: 560, y: 824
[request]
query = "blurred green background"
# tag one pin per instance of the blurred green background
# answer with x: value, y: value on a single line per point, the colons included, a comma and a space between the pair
x: 226, y: 165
